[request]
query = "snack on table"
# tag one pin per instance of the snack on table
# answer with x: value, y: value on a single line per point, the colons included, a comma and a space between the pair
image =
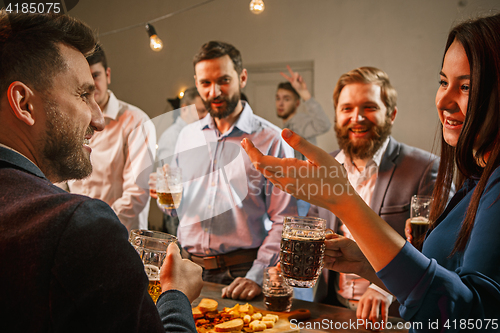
x: 230, y: 326
x: 208, y: 305
x: 235, y: 319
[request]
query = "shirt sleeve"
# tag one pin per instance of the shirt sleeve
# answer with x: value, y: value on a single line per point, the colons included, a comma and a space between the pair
x: 279, y: 204
x: 312, y: 124
x: 166, y: 146
x: 175, y: 312
x: 428, y: 291
x: 139, y: 163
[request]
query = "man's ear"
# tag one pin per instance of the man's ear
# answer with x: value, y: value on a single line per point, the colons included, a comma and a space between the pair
x: 21, y: 100
x: 108, y: 75
x: 393, y: 115
x: 243, y: 78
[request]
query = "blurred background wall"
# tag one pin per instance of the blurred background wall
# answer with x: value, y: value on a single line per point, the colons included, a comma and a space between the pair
x: 326, y: 38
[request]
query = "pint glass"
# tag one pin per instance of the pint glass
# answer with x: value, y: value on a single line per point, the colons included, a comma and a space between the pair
x: 169, y: 187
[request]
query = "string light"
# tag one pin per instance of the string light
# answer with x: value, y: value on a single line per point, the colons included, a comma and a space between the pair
x: 154, y: 41
x: 257, y: 6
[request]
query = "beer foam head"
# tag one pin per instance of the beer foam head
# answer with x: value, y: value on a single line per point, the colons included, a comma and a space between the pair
x: 304, y: 234
x: 420, y: 220
x: 153, y: 272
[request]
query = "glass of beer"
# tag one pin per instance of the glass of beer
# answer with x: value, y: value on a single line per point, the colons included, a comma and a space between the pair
x: 302, y: 250
x: 169, y: 187
x: 420, y: 209
x: 277, y: 293
x: 152, y: 248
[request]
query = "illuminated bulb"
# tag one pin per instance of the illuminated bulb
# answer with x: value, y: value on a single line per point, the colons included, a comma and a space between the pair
x: 181, y: 94
x: 257, y: 6
x: 154, y: 41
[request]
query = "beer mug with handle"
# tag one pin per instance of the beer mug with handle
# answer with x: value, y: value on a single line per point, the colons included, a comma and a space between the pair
x: 302, y: 250
x: 152, y: 248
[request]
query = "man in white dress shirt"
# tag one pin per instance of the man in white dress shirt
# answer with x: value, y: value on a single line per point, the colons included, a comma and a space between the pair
x: 191, y: 109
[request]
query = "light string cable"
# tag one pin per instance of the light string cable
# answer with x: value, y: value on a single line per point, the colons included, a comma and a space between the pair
x: 156, y: 19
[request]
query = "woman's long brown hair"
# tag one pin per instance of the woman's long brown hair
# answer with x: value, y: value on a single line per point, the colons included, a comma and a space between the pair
x: 481, y: 41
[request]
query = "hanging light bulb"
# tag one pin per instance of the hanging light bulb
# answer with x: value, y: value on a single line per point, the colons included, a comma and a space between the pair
x: 257, y: 6
x: 154, y: 41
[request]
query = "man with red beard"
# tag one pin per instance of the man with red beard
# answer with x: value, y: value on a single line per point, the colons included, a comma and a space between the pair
x: 226, y: 202
x: 384, y: 172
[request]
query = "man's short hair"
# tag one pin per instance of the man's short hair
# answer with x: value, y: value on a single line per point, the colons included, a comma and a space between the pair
x: 98, y: 56
x: 189, y: 96
x: 214, y: 50
x: 29, y: 50
x: 367, y: 75
x: 288, y: 86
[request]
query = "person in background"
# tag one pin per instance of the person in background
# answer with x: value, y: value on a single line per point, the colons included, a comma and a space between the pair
x: 66, y: 261
x: 456, y: 278
x: 226, y: 202
x: 191, y: 110
x: 310, y: 124
x: 123, y: 153
x: 384, y: 172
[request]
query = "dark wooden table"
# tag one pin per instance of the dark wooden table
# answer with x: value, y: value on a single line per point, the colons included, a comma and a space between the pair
x: 324, y: 318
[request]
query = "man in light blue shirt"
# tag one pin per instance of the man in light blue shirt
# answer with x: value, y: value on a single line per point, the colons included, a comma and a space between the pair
x: 226, y: 201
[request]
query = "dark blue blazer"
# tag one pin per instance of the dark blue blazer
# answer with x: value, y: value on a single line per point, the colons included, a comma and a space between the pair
x: 67, y: 265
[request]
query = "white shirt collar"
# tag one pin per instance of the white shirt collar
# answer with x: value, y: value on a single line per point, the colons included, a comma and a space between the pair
x: 112, y: 108
x: 245, y: 121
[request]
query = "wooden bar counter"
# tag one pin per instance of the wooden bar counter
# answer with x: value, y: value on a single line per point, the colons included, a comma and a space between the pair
x: 324, y: 318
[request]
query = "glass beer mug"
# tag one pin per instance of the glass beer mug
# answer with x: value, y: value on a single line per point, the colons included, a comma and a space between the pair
x: 152, y: 248
x: 302, y: 250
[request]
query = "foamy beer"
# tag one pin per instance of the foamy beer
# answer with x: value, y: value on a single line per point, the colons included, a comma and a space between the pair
x: 277, y: 293
x: 302, y: 250
x: 169, y: 187
x: 152, y: 248
x: 420, y: 210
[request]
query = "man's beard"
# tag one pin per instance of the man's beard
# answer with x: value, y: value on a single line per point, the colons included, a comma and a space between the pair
x: 363, y: 148
x: 285, y: 115
x: 231, y: 104
x: 63, y: 147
